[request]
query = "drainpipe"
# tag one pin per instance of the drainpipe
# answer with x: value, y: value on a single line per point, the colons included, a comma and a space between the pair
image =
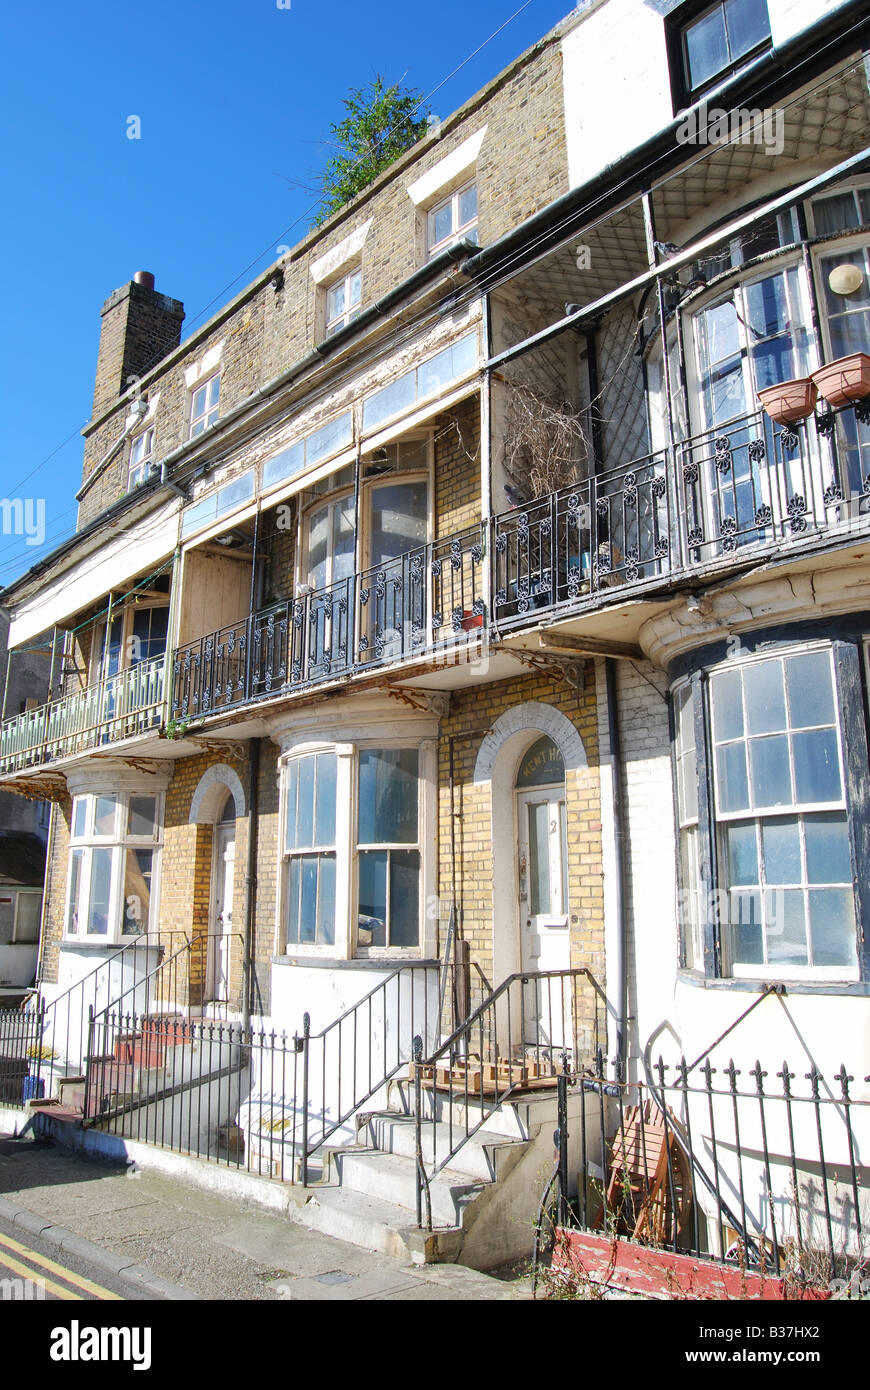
x: 250, y: 878
x: 621, y: 968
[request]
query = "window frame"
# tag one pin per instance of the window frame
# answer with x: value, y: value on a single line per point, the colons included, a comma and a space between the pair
x: 119, y: 841
x: 346, y: 945
x: 140, y: 466
x: 209, y: 416
x: 677, y: 25
x: 712, y: 882
x: 457, y: 230
x: 352, y: 310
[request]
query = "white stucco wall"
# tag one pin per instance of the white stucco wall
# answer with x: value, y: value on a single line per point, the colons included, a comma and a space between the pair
x: 616, y: 81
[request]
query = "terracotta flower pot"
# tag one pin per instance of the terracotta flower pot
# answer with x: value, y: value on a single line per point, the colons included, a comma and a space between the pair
x: 845, y: 380
x: 790, y: 400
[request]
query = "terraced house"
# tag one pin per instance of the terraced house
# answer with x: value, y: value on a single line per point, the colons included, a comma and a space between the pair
x: 460, y: 672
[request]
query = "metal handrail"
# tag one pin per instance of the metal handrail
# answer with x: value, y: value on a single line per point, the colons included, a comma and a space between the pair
x: 457, y: 1044
x: 374, y: 1081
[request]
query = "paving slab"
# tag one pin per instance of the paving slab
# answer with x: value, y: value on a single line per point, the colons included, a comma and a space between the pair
x: 192, y: 1242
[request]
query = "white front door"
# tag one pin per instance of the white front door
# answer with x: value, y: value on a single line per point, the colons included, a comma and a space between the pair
x: 543, y: 913
x: 220, y: 927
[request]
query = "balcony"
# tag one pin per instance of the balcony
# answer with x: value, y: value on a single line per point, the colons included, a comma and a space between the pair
x: 719, y: 501
x: 107, y: 712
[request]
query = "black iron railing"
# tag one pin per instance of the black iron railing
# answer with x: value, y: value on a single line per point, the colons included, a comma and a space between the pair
x: 248, y: 1096
x: 534, y: 1025
x: 762, y: 1167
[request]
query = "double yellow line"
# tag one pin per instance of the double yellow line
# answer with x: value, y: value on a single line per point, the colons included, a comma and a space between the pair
x: 8, y: 1261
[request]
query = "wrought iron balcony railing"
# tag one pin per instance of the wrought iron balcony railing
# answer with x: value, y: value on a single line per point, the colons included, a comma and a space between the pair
x: 423, y: 601
x: 747, y: 487
x: 742, y: 490
x: 119, y: 707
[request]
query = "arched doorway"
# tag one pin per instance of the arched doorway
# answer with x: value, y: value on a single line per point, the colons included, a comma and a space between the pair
x: 221, y: 906
x: 542, y: 888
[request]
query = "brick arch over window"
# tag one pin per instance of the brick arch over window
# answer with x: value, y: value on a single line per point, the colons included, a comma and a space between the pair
x: 532, y: 717
x: 211, y: 794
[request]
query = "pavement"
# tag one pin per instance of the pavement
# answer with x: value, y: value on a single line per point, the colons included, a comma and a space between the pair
x: 174, y: 1240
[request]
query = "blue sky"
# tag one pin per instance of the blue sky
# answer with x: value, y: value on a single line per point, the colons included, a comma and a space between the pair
x: 235, y: 99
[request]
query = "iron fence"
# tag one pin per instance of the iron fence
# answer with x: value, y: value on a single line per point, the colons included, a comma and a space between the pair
x: 764, y: 1168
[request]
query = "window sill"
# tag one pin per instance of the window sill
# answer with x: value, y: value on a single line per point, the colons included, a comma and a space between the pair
x: 858, y: 988
x: 333, y: 963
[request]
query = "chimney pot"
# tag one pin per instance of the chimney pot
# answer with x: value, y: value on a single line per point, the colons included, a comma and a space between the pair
x: 144, y: 277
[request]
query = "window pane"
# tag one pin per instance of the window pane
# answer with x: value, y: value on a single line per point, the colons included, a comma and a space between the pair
x: 771, y: 779
x: 75, y: 885
x: 373, y: 898
x: 80, y: 811
x: 292, y: 796
x: 765, y: 698
x: 727, y: 706
x: 388, y: 796
x: 747, y: 947
x: 308, y: 900
x: 441, y: 223
x: 27, y: 917
x: 786, y: 930
x: 836, y: 213
x: 293, y: 903
x: 810, y: 694
x: 706, y: 47
x: 742, y: 850
x: 817, y: 766
x: 324, y: 831
x: 354, y: 289
x: 214, y: 390
x: 137, y: 891
x: 104, y: 815
x: 731, y: 773
x: 828, y: 858
x: 468, y: 205
x: 305, y: 804
x: 404, y: 898
x: 539, y: 859
x: 399, y: 519
x: 101, y: 887
x: 748, y: 25
x: 810, y: 697
x: 326, y: 901
x: 335, y: 301
x: 143, y: 811
x: 781, y: 843
x: 832, y: 926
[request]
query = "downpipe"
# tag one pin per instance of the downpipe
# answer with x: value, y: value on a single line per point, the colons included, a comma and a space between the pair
x: 620, y: 969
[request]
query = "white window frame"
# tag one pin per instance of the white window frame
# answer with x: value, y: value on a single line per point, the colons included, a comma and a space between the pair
x: 756, y: 815
x: 457, y: 230
x: 118, y: 841
x: 210, y: 413
x: 345, y: 946
x: 139, y: 464
x: 352, y: 309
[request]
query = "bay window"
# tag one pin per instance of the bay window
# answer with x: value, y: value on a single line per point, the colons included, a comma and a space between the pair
x: 353, y: 819
x: 766, y: 856
x: 114, y: 851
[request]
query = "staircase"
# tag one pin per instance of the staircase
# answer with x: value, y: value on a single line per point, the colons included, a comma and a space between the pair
x: 452, y: 1169
x: 483, y: 1199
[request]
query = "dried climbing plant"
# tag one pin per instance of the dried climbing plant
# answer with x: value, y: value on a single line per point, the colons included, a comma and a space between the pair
x: 545, y: 443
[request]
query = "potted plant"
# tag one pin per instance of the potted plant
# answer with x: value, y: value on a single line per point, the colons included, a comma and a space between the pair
x: 789, y: 401
x: 845, y: 380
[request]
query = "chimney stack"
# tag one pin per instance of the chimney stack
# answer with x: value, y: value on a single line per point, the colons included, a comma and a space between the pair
x: 139, y: 327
